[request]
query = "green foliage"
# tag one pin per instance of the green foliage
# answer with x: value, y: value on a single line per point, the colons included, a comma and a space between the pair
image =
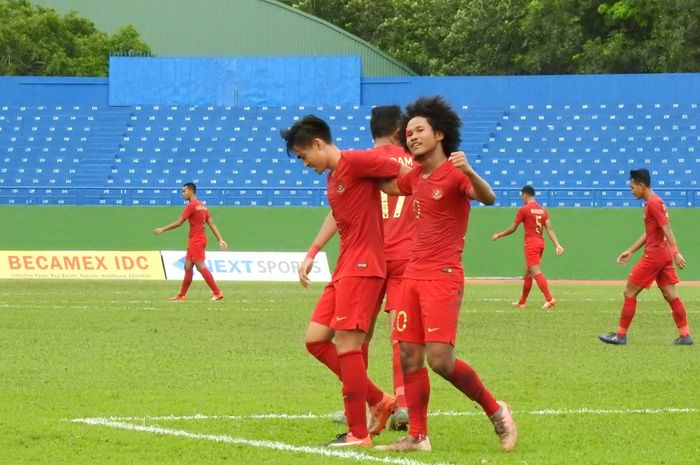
x: 496, y: 37
x: 37, y: 41
x: 76, y: 349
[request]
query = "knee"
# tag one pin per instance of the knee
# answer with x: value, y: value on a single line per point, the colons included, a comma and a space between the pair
x: 441, y: 365
x: 410, y: 361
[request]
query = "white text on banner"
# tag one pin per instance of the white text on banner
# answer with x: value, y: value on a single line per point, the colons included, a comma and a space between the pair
x: 249, y: 266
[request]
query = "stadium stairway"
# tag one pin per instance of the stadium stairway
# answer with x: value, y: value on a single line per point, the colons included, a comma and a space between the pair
x: 102, y: 146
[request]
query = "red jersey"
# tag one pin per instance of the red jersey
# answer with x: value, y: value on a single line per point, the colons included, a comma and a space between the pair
x: 353, y: 194
x: 197, y: 214
x: 655, y: 217
x: 399, y: 221
x: 533, y: 216
x: 441, y: 207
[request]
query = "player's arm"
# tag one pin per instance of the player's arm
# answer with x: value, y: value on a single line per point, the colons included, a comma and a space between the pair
x: 222, y: 243
x: 480, y: 189
x: 173, y: 225
x: 328, y: 229
x: 550, y: 232
x: 625, y: 256
x: 671, y: 239
x: 390, y: 187
x: 506, y: 232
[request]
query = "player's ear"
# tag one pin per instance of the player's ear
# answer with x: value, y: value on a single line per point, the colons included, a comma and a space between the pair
x: 439, y: 135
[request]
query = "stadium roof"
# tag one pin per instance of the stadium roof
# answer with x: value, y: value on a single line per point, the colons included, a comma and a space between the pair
x: 230, y: 28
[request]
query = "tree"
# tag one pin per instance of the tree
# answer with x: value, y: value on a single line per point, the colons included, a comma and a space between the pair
x: 37, y: 41
x: 497, y: 37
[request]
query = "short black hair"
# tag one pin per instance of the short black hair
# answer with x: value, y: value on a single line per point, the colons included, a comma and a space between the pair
x: 191, y: 186
x: 385, y: 120
x: 529, y: 190
x: 641, y: 176
x: 440, y: 116
x: 304, y: 131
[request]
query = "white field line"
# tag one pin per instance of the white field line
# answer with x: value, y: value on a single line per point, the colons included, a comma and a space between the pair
x: 312, y: 416
x: 274, y: 445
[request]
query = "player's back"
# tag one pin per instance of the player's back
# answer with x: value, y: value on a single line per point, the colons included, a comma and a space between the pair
x: 397, y: 215
x: 533, y: 217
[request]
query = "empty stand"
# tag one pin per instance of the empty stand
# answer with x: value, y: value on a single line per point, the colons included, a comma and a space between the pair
x: 575, y: 155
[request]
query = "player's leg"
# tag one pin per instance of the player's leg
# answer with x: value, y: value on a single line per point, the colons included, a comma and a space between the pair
x: 527, y: 286
x: 209, y: 279
x: 186, y: 280
x: 462, y: 376
x: 667, y: 281
x: 408, y: 330
x: 319, y: 334
x: 629, y: 308
x: 533, y: 262
x: 356, y: 302
x: 394, y: 282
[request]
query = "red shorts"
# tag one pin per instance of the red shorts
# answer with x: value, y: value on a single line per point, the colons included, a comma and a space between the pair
x: 394, y: 278
x: 648, y: 270
x: 429, y: 312
x: 195, y: 248
x: 349, y: 303
x: 533, y: 255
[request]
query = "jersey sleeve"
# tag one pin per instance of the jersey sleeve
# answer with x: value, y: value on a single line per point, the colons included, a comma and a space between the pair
x: 465, y: 185
x: 373, y: 166
x: 188, y: 211
x: 519, y: 216
x: 658, y: 211
x: 405, y: 182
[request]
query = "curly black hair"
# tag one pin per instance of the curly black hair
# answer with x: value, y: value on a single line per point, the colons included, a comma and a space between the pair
x: 440, y: 116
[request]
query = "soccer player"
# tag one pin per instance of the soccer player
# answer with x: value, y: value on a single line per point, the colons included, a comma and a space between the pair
x: 348, y: 303
x: 660, y: 252
x: 533, y: 217
x: 442, y: 184
x: 399, y: 225
x: 197, y: 214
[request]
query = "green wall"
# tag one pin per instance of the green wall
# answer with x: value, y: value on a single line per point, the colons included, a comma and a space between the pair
x: 592, y: 237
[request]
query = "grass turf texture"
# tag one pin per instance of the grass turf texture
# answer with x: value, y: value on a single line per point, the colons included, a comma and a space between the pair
x: 77, y: 349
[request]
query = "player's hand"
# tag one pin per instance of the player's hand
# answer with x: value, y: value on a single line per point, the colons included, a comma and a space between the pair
x: 559, y: 250
x: 304, y: 270
x: 157, y: 231
x: 680, y: 261
x: 495, y: 237
x: 624, y: 257
x: 223, y: 245
x: 459, y: 160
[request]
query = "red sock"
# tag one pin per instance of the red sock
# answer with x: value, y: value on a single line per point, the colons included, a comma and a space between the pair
x: 186, y: 281
x: 527, y: 285
x: 206, y: 274
x: 365, y: 353
x: 399, y: 390
x: 542, y: 284
x: 679, y: 316
x: 628, y: 309
x: 326, y: 353
x: 417, y: 385
x: 464, y: 378
x: 354, y: 377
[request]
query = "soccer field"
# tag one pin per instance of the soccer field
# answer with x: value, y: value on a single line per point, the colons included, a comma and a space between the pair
x: 111, y: 372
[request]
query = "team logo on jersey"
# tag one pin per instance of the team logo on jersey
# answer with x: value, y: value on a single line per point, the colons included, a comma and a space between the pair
x: 340, y: 188
x: 437, y: 193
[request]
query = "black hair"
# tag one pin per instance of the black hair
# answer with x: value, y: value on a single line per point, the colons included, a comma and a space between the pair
x: 440, y: 116
x: 191, y: 186
x: 304, y: 131
x: 529, y: 190
x: 385, y: 120
x: 641, y: 176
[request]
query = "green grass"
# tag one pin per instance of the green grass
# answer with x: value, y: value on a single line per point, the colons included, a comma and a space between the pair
x: 75, y: 349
